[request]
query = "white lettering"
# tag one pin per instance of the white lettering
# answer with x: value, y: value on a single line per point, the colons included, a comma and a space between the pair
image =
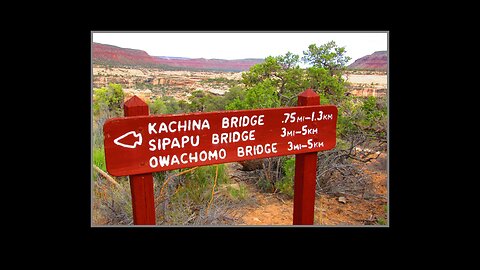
x: 176, y: 143
x: 214, y: 138
x: 174, y: 160
x: 178, y: 126
x: 222, y: 153
x: 260, y: 120
x: 151, y: 128
x: 182, y: 127
x: 236, y: 136
x: 165, y: 142
x: 193, y: 142
x: 152, y: 145
x: 223, y: 137
x: 185, y: 140
x: 233, y: 121
x: 242, y: 121
x: 185, y: 158
x: 170, y: 126
x: 240, y: 152
x: 196, y: 125
x: 162, y: 128
x: 184, y: 161
x: 248, y: 150
x: 203, y: 156
x: 205, y: 124
x: 153, y: 162
x: 225, y: 122
x: 256, y: 149
x: 193, y: 157
x: 212, y: 155
x: 164, y: 160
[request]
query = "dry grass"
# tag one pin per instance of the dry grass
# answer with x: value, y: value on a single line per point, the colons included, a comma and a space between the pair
x: 185, y: 198
x: 112, y: 205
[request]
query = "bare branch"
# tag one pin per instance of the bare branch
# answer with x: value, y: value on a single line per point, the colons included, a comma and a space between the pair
x: 108, y: 177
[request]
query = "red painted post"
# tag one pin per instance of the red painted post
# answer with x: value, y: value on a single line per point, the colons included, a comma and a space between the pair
x: 141, y: 185
x: 305, y: 173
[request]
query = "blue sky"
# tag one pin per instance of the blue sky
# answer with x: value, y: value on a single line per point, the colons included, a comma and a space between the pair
x: 239, y: 45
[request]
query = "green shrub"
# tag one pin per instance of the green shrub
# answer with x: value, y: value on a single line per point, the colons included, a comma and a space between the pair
x: 286, y: 184
x: 99, y: 158
x: 187, y: 199
x: 205, y: 175
x: 381, y: 221
x: 265, y: 185
x: 157, y: 106
x: 262, y: 95
x: 238, y: 194
x: 109, y: 99
x: 198, y: 184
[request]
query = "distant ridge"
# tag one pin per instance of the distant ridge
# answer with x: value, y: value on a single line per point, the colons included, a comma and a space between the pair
x: 171, y: 57
x: 113, y: 55
x: 376, y: 61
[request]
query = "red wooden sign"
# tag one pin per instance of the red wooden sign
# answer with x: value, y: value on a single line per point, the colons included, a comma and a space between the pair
x: 145, y: 144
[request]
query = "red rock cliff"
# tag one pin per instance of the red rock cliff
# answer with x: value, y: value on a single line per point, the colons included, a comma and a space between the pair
x: 375, y: 61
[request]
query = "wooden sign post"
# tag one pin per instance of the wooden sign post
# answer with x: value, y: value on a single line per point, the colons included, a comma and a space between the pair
x: 141, y: 185
x: 305, y: 174
x: 140, y: 144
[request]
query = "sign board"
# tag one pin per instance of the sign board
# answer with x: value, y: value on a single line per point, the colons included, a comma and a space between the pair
x: 152, y: 143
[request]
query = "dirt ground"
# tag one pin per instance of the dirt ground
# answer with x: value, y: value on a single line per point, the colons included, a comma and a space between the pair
x: 276, y: 209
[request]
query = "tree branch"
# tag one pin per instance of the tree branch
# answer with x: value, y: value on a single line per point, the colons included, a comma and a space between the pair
x: 106, y: 176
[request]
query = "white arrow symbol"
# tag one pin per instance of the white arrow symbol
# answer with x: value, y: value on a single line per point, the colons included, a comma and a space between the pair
x: 137, y: 135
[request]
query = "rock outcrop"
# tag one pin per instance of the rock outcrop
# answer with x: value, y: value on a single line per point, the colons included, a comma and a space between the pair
x: 210, y: 64
x: 375, y: 61
x: 107, y: 54
x: 117, y: 56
